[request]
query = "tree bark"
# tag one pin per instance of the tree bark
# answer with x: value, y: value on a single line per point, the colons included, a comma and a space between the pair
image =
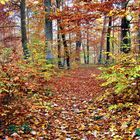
x: 58, y: 37
x: 78, y: 45
x: 84, y: 51
x: 66, y: 50
x: 23, y: 29
x: 59, y: 49
x: 87, y: 46
x: 125, y: 32
x: 102, y: 41
x: 48, y: 22
x: 108, y: 40
x: 48, y: 31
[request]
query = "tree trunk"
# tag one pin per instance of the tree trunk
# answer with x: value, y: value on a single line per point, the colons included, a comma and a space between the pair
x: 66, y: 50
x: 48, y: 31
x: 113, y: 35
x: 85, y: 59
x: 59, y: 49
x: 108, y: 40
x: 87, y: 46
x: 78, y: 45
x: 28, y: 23
x: 58, y: 37
x: 23, y: 29
x: 125, y: 36
x: 102, y: 41
x: 48, y: 22
x: 125, y: 32
x: 70, y: 43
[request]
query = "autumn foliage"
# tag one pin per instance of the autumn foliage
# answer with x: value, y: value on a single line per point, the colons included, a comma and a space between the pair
x: 69, y: 70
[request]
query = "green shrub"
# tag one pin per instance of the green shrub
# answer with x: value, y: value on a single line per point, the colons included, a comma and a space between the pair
x: 124, y: 75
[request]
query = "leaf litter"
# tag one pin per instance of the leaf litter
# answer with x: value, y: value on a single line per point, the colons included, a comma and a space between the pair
x: 77, y: 108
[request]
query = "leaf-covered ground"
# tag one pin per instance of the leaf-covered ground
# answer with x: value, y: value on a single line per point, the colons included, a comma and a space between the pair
x: 74, y: 92
x: 76, y: 108
x: 83, y: 111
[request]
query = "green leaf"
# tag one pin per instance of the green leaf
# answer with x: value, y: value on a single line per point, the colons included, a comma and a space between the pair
x: 111, y: 107
x: 26, y: 128
x: 97, y: 118
x: 137, y: 131
x: 12, y: 129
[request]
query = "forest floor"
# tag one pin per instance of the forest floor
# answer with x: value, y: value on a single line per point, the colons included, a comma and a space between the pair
x: 74, y: 94
x: 78, y: 110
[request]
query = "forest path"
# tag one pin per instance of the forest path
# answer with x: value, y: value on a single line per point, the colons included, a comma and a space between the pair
x: 71, y: 116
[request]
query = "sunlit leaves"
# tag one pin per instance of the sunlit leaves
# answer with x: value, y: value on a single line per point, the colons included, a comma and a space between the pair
x: 3, y: 1
x: 123, y: 75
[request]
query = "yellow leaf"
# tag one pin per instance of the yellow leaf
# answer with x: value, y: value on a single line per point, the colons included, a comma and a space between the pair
x: 82, y: 127
x: 3, y: 1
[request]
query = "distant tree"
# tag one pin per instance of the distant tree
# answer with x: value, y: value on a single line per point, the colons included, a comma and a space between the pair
x: 58, y: 36
x: 87, y: 46
x: 78, y: 45
x: 108, y: 43
x: 66, y: 50
x: 102, y: 40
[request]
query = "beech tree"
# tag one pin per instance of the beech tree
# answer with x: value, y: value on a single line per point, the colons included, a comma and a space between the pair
x: 76, y: 24
x: 102, y: 40
x: 87, y: 62
x: 64, y: 41
x: 23, y: 28
x: 48, y: 31
x: 78, y: 45
x: 59, y: 48
x: 108, y: 42
x: 125, y: 32
x: 66, y: 50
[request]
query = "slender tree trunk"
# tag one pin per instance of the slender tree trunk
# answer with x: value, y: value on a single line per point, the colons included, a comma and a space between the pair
x: 28, y: 23
x: 23, y: 28
x: 87, y: 46
x: 59, y: 49
x: 125, y: 32
x: 48, y: 31
x: 102, y: 41
x: 66, y: 50
x: 48, y: 22
x: 108, y: 39
x: 125, y: 36
x: 85, y: 59
x: 113, y: 35
x: 78, y: 45
x: 58, y: 37
x: 70, y: 43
